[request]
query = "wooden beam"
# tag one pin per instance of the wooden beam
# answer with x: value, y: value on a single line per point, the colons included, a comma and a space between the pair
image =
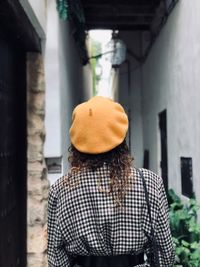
x: 120, y: 5
x: 119, y: 10
x: 114, y: 2
x: 129, y: 20
x: 121, y: 27
x: 121, y: 18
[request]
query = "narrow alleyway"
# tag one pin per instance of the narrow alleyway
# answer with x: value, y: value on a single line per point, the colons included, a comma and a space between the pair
x: 46, y: 70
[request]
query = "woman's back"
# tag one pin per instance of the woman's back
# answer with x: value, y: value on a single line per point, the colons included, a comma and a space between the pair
x: 97, y: 214
x: 90, y: 222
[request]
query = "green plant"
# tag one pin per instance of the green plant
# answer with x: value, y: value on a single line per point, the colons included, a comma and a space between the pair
x: 63, y: 9
x: 185, y: 230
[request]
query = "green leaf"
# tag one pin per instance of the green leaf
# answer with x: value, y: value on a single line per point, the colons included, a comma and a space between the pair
x: 63, y: 9
x: 185, y: 230
x: 184, y: 243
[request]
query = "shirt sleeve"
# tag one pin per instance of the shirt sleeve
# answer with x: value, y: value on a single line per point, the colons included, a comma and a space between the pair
x: 56, y: 252
x: 162, y: 230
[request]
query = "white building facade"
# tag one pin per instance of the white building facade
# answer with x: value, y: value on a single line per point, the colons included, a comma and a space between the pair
x: 68, y: 83
x: 164, y: 99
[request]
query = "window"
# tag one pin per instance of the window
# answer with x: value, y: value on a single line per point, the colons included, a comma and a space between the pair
x: 186, y: 177
x: 54, y: 165
x: 146, y: 159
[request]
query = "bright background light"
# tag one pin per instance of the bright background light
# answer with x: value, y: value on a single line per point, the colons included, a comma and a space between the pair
x: 104, y: 85
x: 103, y: 36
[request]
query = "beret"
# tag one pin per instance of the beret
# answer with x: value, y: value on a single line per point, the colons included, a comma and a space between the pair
x: 98, y: 125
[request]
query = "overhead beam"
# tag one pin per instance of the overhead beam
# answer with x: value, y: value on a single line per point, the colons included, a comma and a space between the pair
x: 125, y: 5
x: 123, y: 18
x: 121, y: 14
x: 119, y: 7
x: 120, y: 20
x: 124, y: 2
x: 120, y: 27
x: 120, y: 11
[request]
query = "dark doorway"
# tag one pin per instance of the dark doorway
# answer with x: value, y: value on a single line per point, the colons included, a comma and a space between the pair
x: 163, y: 136
x: 146, y: 159
x: 17, y: 37
x: 12, y: 154
x: 187, y: 177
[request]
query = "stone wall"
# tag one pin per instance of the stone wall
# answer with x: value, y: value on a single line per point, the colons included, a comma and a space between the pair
x: 38, y: 185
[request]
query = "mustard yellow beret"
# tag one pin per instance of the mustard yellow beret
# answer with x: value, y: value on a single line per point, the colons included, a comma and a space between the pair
x: 98, y: 125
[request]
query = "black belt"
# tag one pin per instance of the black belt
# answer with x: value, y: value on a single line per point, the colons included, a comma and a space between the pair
x: 109, y: 261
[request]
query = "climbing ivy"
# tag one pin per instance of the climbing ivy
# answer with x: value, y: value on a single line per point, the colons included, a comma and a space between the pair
x: 73, y: 10
x: 63, y: 9
x: 185, y: 230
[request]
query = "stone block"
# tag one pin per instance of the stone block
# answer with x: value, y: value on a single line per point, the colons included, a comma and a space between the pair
x: 35, y: 125
x: 37, y: 260
x: 37, y: 212
x: 38, y: 185
x: 36, y: 169
x: 35, y: 73
x: 36, y: 102
x: 38, y: 188
x: 35, y: 153
x: 37, y: 241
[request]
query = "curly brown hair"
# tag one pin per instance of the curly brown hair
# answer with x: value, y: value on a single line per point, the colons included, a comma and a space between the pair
x: 119, y: 162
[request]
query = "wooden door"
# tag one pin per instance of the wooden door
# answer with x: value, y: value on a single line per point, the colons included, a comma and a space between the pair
x: 12, y: 154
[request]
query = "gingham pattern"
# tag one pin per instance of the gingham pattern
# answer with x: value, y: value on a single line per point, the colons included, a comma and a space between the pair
x: 84, y: 220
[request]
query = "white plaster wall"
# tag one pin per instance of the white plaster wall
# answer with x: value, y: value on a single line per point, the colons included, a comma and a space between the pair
x: 52, y: 118
x: 52, y: 148
x: 75, y: 83
x: 68, y: 83
x: 132, y: 100
x: 171, y: 81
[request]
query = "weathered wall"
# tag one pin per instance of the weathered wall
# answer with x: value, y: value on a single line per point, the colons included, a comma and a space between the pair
x: 129, y: 95
x: 37, y: 182
x: 38, y: 185
x: 67, y: 84
x: 75, y: 84
x: 171, y: 81
x: 52, y: 78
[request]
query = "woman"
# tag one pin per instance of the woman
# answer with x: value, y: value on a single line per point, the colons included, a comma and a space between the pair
x: 98, y: 214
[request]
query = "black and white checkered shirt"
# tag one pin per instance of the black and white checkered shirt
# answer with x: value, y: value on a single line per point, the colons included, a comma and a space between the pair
x: 83, y: 220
